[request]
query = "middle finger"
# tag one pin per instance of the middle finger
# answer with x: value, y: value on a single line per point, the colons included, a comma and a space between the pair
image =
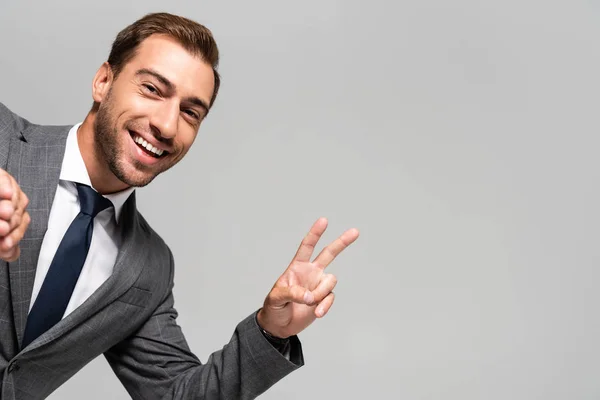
x: 15, y: 236
x: 329, y: 253
x: 6, y: 210
x: 16, y: 219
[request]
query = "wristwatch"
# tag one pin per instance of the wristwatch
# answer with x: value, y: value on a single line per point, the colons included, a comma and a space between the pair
x: 274, y: 339
x: 281, y: 344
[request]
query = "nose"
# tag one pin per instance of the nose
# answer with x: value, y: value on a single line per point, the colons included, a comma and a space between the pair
x: 165, y: 119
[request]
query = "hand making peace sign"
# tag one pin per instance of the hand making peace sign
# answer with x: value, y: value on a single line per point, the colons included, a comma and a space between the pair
x: 305, y: 291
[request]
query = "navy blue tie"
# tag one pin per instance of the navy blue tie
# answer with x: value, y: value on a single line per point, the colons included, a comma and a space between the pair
x: 56, y: 291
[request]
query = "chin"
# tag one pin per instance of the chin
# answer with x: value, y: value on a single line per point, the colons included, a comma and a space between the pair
x: 132, y: 176
x: 138, y: 182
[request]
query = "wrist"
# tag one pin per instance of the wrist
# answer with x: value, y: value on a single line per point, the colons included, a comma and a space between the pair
x: 266, y: 331
x: 274, y: 339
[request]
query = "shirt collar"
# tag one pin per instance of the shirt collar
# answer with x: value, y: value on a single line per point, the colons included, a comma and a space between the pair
x: 73, y: 170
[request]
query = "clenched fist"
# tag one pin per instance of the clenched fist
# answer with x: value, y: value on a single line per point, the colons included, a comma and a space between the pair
x: 14, y: 220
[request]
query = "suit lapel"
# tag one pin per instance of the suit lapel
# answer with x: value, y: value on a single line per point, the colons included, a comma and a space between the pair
x: 36, y: 168
x: 128, y: 267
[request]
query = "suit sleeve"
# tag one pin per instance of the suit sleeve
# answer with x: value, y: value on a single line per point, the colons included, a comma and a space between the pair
x: 156, y: 362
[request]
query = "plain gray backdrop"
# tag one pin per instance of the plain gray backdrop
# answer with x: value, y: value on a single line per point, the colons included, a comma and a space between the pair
x: 460, y: 137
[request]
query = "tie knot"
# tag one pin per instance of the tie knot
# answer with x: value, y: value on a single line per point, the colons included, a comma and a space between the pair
x: 90, y: 201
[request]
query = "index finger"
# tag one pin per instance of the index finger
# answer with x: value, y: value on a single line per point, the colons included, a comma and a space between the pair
x: 6, y: 186
x: 329, y: 253
x: 307, y: 247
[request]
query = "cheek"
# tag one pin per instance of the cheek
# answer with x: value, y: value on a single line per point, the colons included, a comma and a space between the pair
x: 140, y: 106
x: 134, y: 113
x: 186, y: 139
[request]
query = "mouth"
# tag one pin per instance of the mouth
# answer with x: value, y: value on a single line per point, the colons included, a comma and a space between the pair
x: 146, y: 147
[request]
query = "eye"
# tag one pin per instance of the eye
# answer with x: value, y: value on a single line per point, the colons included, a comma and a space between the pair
x: 191, y: 113
x: 149, y: 88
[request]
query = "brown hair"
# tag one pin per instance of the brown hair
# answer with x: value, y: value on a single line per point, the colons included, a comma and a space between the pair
x: 194, y: 37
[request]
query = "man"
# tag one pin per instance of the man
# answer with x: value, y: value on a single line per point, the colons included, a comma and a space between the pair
x: 83, y: 274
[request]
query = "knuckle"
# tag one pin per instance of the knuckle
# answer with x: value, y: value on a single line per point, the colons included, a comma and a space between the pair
x: 19, y: 234
x: 7, y: 255
x: 6, y: 248
x: 15, y: 220
x: 308, y: 241
x: 330, y: 251
x: 333, y: 280
x: 13, y: 183
x: 297, y: 292
x: 273, y: 296
x: 15, y: 254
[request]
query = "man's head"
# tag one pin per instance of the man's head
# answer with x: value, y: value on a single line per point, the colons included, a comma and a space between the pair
x: 152, y: 94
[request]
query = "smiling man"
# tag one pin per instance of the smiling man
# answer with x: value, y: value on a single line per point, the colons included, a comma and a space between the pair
x: 83, y: 274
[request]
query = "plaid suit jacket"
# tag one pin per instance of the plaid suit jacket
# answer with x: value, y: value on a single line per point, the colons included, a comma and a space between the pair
x: 130, y: 318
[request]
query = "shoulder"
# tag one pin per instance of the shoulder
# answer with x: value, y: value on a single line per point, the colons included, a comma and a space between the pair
x: 12, y: 124
x: 157, y: 250
x: 155, y: 239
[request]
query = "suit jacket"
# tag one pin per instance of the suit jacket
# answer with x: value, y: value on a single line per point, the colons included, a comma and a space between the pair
x: 130, y: 318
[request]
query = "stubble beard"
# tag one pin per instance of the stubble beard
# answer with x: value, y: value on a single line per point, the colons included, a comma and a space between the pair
x: 107, y: 143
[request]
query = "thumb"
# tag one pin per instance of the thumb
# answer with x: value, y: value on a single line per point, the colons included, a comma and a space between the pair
x: 281, y: 295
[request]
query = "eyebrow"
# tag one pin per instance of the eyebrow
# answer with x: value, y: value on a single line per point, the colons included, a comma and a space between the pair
x: 171, y: 88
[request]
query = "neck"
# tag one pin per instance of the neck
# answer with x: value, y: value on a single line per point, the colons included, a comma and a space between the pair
x: 102, y: 178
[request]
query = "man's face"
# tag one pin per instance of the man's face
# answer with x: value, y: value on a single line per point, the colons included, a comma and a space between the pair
x: 151, y: 113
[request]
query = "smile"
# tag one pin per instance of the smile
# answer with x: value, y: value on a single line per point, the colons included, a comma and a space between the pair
x: 147, y: 147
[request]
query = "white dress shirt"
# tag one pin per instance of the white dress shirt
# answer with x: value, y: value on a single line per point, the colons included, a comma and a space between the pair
x: 106, y: 238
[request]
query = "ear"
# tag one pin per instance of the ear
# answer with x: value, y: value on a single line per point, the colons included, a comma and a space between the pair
x: 102, y: 82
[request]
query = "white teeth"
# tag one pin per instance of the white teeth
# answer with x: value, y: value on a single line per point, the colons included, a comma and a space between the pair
x: 139, y: 140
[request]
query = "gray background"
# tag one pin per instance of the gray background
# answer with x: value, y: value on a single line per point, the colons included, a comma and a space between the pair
x: 459, y: 137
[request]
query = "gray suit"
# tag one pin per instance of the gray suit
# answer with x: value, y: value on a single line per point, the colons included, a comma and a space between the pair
x: 130, y: 318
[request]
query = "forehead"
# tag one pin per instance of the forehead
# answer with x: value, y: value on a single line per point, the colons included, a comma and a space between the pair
x: 191, y: 75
